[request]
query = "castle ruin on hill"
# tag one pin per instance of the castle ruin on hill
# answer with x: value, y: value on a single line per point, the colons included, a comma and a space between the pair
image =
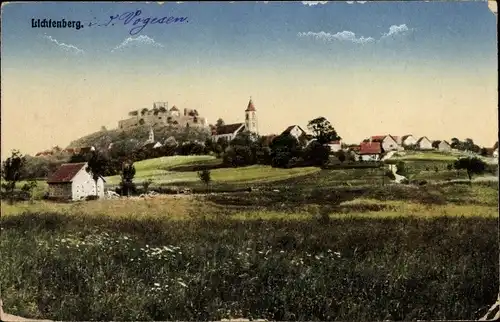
x: 161, y: 115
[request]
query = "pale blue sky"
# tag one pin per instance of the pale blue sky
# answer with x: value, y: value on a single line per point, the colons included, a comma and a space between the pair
x: 343, y: 60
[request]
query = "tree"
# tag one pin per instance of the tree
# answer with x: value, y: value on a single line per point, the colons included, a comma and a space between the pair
x: 484, y: 152
x: 146, y: 184
x: 96, y: 166
x: 435, y: 144
x: 242, y: 150
x: 322, y: 130
x: 12, y: 169
x: 205, y: 176
x: 471, y: 165
x: 127, y: 176
x: 283, y: 148
x: 341, y: 155
x: 144, y: 111
x: 29, y: 187
x: 317, y: 154
x: 209, y: 146
x: 103, y: 129
x: 219, y: 123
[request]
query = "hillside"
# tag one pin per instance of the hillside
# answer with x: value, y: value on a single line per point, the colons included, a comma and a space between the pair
x: 102, y: 139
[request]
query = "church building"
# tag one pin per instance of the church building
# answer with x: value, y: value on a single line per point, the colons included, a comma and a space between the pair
x: 229, y: 131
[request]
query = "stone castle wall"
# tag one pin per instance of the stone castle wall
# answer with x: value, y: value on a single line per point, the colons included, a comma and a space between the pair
x: 165, y: 117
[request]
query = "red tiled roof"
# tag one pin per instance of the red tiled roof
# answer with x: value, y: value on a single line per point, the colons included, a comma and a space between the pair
x: 228, y: 129
x: 370, y: 148
x: 354, y: 147
x: 377, y: 138
x: 65, y: 173
x: 250, y: 107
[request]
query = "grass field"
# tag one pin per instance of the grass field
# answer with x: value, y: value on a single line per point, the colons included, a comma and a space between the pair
x: 427, y: 156
x: 307, y: 244
x: 386, y: 253
x: 158, y: 171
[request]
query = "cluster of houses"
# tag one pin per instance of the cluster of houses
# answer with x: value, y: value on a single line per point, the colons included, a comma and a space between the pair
x: 73, y: 182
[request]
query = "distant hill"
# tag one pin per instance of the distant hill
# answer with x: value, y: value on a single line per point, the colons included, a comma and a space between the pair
x: 102, y: 139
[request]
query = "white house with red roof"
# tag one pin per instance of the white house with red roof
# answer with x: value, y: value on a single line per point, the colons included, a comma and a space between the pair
x: 73, y: 182
x: 370, y: 151
x: 388, y: 142
x: 229, y: 131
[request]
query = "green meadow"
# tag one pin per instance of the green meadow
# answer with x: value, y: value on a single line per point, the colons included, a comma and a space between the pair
x: 305, y: 244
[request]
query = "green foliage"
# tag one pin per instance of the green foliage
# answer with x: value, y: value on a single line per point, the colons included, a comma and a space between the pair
x: 390, y: 175
x: 283, y: 148
x: 322, y: 130
x: 316, y: 154
x: 472, y: 165
x: 12, y: 169
x: 100, y: 268
x: 146, y: 184
x: 402, y: 169
x: 467, y: 145
x: 205, y: 176
x: 28, y: 188
x: 245, y: 149
x: 97, y: 166
x: 341, y: 155
x: 127, y: 176
x: 219, y: 123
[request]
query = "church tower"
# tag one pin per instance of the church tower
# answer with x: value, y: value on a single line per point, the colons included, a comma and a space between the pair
x: 151, y: 135
x: 251, y: 118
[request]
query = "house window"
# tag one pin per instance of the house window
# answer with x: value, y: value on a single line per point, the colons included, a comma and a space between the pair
x: 247, y: 117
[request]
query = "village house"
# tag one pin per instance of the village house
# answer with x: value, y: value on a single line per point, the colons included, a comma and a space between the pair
x: 408, y: 140
x: 424, y: 143
x: 387, y: 142
x: 230, y: 131
x: 73, y: 182
x: 150, y: 143
x: 444, y: 146
x: 335, y: 146
x: 370, y: 151
x: 295, y: 130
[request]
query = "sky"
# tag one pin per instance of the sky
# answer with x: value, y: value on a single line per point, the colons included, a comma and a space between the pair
x: 371, y: 68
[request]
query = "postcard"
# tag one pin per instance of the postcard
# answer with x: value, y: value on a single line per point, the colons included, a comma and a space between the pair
x: 264, y: 160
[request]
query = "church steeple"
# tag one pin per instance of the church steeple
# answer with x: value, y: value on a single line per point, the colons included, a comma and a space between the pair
x: 251, y: 117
